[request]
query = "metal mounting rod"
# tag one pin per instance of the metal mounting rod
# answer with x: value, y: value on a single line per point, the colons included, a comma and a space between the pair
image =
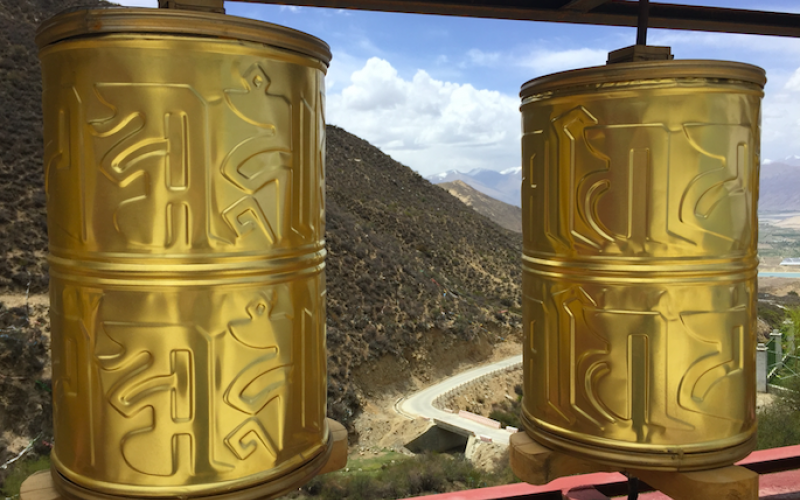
x: 641, y: 29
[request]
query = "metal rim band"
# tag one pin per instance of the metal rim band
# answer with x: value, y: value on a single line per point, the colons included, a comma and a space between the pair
x: 645, y: 71
x: 195, y: 269
x: 116, y: 20
x: 669, y: 461
x: 688, y: 268
x: 266, y: 490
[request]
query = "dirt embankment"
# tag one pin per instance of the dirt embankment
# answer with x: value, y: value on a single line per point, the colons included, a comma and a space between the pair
x: 380, y: 427
x: 486, y: 394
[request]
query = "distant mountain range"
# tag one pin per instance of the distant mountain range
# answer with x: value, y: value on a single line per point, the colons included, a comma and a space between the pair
x: 779, y: 190
x: 503, y: 186
x: 780, y: 186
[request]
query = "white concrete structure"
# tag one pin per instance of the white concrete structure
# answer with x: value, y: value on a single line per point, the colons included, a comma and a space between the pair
x: 761, y: 368
x: 777, y: 347
x: 421, y: 403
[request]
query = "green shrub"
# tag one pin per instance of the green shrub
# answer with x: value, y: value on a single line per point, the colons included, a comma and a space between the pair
x: 21, y: 470
x: 772, y: 314
x: 418, y: 475
x: 506, y: 418
x: 777, y: 427
x: 779, y: 424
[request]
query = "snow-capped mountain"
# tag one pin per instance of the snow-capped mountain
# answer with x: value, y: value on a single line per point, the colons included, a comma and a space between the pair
x: 779, y: 192
x: 503, y: 186
x: 791, y: 160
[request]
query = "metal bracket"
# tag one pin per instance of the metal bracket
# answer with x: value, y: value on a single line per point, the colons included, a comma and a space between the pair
x: 636, y: 53
x: 214, y: 6
x: 641, y: 51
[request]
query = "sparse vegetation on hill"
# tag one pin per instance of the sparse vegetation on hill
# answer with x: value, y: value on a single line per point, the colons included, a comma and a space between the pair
x: 425, y: 474
x: 22, y: 201
x: 411, y: 269
x: 776, y: 241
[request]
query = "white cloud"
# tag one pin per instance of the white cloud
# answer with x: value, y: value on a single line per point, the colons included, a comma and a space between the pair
x: 773, y: 53
x: 291, y: 8
x: 551, y: 61
x: 375, y: 87
x: 428, y: 124
x: 540, y: 60
x: 343, y: 64
x: 780, y: 128
x: 478, y: 57
x: 794, y: 81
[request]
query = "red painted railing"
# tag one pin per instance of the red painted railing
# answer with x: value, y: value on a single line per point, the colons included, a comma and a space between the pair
x: 613, y: 483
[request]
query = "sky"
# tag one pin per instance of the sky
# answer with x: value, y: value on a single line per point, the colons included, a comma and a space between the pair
x: 441, y: 93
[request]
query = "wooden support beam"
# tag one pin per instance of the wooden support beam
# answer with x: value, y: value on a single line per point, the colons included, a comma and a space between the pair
x: 583, y: 5
x: 610, y: 13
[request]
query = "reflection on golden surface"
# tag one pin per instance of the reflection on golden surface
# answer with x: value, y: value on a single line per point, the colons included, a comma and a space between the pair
x: 185, y: 185
x: 639, y: 225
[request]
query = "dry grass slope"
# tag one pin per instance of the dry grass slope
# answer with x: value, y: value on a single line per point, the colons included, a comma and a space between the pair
x: 408, y: 265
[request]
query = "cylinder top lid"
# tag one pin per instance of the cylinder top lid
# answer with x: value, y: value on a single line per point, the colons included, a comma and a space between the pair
x: 645, y: 70
x: 115, y: 20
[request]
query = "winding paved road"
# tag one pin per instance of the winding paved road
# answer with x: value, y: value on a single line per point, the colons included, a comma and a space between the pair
x: 420, y: 404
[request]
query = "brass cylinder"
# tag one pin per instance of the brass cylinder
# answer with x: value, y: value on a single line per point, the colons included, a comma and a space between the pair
x: 639, y: 192
x: 184, y: 167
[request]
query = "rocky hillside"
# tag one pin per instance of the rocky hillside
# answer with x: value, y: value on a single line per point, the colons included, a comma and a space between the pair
x: 22, y: 201
x: 417, y: 281
x: 412, y: 271
x: 503, y: 214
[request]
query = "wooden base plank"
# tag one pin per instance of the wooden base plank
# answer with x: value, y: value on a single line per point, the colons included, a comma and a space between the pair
x: 39, y: 486
x: 338, y: 458
x: 536, y: 464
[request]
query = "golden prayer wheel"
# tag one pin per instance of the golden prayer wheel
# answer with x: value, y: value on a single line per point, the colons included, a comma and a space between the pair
x: 639, y: 192
x: 184, y: 167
